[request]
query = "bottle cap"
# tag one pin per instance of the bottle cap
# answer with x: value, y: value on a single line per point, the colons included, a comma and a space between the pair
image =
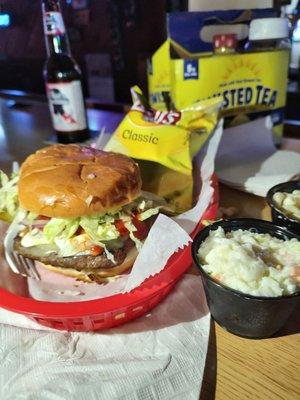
x: 228, y: 40
x: 268, y: 28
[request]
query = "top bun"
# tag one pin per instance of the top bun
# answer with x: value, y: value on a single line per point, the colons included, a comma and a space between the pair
x: 69, y: 181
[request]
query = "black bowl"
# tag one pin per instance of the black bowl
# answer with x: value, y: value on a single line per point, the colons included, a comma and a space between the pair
x: 278, y: 215
x: 239, y: 313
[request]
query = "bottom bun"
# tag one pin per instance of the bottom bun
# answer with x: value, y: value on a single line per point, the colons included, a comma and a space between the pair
x: 97, y: 275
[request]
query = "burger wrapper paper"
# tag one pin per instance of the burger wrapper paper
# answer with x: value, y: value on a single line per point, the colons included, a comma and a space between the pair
x: 165, y: 238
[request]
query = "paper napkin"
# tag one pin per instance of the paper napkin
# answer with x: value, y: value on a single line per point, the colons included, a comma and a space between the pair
x: 157, y: 357
x: 248, y: 160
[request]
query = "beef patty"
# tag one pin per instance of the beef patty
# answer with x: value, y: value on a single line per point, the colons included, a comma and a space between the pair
x: 83, y: 262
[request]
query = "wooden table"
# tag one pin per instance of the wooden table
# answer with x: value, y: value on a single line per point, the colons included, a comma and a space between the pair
x: 236, y: 368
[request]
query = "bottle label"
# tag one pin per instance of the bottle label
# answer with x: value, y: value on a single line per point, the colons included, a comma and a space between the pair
x: 67, y: 106
x: 54, y: 24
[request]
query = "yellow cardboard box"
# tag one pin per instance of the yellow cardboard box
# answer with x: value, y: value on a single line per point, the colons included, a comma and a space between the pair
x: 253, y: 84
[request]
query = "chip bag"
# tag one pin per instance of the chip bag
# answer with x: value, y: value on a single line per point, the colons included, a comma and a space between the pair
x: 166, y: 141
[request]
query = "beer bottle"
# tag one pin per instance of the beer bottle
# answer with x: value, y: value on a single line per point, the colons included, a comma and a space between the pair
x: 63, y: 79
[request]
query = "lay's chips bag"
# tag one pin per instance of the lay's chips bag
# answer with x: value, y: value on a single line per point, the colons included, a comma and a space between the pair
x: 164, y: 143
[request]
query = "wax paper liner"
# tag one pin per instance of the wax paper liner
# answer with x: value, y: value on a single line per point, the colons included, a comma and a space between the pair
x: 165, y: 237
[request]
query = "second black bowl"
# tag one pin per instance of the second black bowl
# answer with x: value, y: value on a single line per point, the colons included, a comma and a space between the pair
x: 278, y: 215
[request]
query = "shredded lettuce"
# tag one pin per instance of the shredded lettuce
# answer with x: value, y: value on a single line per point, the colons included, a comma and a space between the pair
x: 31, y: 216
x: 66, y: 247
x: 107, y: 232
x: 148, y: 213
x: 34, y: 237
x: 101, y: 229
x: 60, y: 227
x: 131, y: 228
x: 9, y: 200
x: 109, y: 255
x: 142, y: 205
x: 98, y: 230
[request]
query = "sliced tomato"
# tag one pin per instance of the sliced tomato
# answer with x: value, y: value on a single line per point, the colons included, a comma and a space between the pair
x: 142, y: 228
x: 119, y: 224
x: 96, y: 250
x: 43, y: 217
x: 79, y: 231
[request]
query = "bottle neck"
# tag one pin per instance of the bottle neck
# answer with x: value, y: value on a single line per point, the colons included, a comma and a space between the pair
x: 57, y: 44
x: 56, y: 37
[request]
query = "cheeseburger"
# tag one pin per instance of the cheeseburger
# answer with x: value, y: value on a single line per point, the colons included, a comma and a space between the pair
x: 83, y: 214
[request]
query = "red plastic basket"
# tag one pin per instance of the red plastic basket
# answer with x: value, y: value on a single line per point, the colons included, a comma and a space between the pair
x: 115, y: 310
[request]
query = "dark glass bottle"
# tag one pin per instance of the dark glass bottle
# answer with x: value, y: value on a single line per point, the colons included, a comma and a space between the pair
x: 63, y: 79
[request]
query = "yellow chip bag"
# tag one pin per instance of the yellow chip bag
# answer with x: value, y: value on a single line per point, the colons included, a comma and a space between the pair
x: 169, y: 139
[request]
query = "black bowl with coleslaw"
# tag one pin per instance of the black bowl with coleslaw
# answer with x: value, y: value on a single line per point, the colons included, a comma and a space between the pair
x: 243, y: 314
x: 279, y: 216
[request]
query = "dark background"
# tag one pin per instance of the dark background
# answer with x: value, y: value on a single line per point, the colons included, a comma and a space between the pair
x: 128, y: 30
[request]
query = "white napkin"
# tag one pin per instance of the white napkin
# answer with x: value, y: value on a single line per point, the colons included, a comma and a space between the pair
x: 248, y: 160
x: 159, y: 356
